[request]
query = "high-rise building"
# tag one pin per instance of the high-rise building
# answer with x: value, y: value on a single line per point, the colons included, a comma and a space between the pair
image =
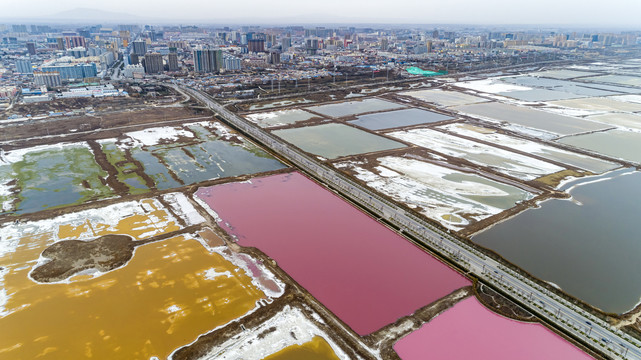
x: 95, y: 51
x: 230, y: 62
x: 256, y: 45
x: 172, y: 61
x: 270, y: 40
x: 201, y: 61
x: 156, y: 35
x: 60, y: 43
x: 218, y: 56
x: 311, y: 46
x: 384, y: 44
x: 130, y: 28
x: 74, y: 41
x: 234, y: 36
x: 107, y: 58
x: 77, y: 52
x: 23, y: 66
x: 177, y: 44
x: 31, y: 48
x: 429, y: 46
x: 153, y: 63
x: 77, y: 71
x: 134, y: 59
x: 274, y: 57
x: 19, y: 28
x: 49, y: 79
x: 140, y: 47
x: 208, y: 60
x: 286, y: 43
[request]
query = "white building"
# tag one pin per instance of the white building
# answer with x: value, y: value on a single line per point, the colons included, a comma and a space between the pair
x: 35, y: 98
x: 130, y: 70
x: 7, y: 92
x: 107, y: 58
x: 91, y: 91
x: 230, y: 62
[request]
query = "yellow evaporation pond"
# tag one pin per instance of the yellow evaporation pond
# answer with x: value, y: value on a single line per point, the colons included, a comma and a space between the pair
x: 164, y: 298
x: 17, y: 264
x: 153, y: 222
x: 316, y: 349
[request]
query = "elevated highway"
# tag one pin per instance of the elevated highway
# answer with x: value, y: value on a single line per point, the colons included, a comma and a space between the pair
x: 549, y: 306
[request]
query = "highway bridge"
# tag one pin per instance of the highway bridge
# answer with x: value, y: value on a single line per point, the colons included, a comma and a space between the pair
x: 548, y: 305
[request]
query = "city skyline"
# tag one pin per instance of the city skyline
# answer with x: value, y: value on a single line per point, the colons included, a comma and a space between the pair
x: 618, y: 13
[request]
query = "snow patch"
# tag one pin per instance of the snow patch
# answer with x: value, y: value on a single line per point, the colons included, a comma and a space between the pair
x: 425, y: 185
x: 181, y: 205
x: 491, y: 86
x: 292, y: 328
x: 221, y: 130
x: 172, y: 309
x: 211, y: 274
x: 153, y: 136
x: 14, y: 156
x: 507, y: 162
x: 4, y: 297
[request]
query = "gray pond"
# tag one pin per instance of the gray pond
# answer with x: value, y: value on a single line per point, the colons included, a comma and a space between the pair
x: 591, y: 250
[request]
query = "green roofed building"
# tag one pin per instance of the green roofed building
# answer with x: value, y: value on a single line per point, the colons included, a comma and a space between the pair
x: 418, y: 71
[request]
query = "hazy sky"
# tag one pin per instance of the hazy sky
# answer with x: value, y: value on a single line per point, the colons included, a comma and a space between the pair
x: 592, y: 13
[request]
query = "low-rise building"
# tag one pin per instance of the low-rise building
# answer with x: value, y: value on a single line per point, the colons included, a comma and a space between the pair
x: 91, y: 91
x: 35, y: 98
x: 7, y: 92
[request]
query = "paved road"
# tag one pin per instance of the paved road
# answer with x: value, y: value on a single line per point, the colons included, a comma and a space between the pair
x: 592, y: 331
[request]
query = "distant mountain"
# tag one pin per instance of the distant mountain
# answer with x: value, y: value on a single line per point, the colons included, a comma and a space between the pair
x: 86, y: 15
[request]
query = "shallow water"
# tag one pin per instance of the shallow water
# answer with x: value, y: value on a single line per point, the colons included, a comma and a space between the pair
x: 616, y: 79
x: 504, y: 161
x: 585, y: 162
x: 562, y: 74
x: 336, y: 140
x: 279, y: 118
x: 630, y: 121
x: 160, y: 300
x: 448, y: 196
x: 278, y: 103
x: 54, y: 177
x: 316, y: 349
x: 354, y: 107
x: 539, y: 95
x: 211, y: 159
x: 362, y: 271
x: 572, y: 89
x: 126, y: 169
x: 157, y: 171
x: 616, y: 143
x: 599, y: 104
x: 399, y: 118
x: 445, y: 98
x: 558, y: 124
x: 589, y: 250
x: 468, y: 330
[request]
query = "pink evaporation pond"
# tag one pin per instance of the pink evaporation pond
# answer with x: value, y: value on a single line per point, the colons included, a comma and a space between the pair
x: 471, y: 331
x: 365, y: 273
